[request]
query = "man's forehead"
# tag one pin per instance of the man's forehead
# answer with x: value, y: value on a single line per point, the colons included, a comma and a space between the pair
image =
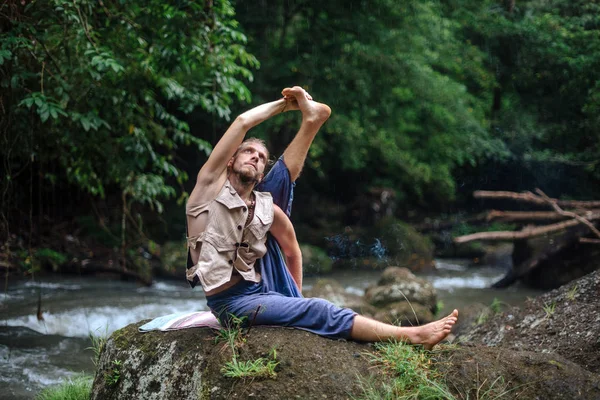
x: 254, y: 146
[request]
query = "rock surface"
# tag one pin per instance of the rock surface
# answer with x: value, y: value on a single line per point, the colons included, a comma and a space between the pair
x: 187, y: 364
x: 565, y: 321
x: 533, y: 353
x: 400, y: 285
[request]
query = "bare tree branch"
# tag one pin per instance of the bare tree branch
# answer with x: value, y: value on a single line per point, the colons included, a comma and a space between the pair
x: 567, y: 213
x: 530, y: 197
x: 523, y: 234
x: 588, y: 240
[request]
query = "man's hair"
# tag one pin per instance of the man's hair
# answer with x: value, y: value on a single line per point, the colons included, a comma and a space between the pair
x: 251, y: 141
x: 254, y: 140
x: 261, y: 142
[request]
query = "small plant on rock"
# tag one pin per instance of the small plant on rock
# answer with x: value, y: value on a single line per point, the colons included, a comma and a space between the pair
x: 549, y: 308
x: 571, y: 293
x: 259, y: 368
x: 113, y: 376
x: 234, y: 337
x: 496, y: 305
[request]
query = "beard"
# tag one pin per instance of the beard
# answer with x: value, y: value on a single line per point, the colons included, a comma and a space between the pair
x: 247, y: 175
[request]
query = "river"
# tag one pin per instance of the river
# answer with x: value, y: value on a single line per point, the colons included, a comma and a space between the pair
x: 36, y: 354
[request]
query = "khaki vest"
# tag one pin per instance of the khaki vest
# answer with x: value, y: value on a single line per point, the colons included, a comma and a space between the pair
x: 226, y: 243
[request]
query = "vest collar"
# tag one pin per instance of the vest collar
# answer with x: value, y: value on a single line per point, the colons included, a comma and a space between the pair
x: 229, y: 197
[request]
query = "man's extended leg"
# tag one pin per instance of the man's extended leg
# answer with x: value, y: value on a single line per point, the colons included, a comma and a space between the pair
x: 369, y: 330
x: 321, y: 317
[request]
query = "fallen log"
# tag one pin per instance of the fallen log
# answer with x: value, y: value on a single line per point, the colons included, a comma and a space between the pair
x: 547, y: 255
x: 531, y: 198
x: 579, y: 218
x: 530, y: 216
x: 525, y: 259
x: 527, y: 232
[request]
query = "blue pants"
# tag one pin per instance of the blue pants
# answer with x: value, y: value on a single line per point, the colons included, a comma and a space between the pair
x: 248, y: 300
x: 276, y: 300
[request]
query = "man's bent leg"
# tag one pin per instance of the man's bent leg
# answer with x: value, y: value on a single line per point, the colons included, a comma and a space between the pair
x: 314, y: 315
x: 275, y: 275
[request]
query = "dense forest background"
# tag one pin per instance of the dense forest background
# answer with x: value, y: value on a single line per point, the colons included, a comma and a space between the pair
x: 108, y: 108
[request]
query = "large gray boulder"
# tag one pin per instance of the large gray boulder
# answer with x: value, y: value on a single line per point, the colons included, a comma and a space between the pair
x: 400, y: 285
x: 187, y: 364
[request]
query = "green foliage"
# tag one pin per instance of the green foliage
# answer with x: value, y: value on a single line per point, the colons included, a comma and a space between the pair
x: 113, y: 376
x: 549, y: 308
x: 572, y: 292
x: 96, y: 93
x: 78, y: 388
x: 98, y: 344
x: 496, y: 305
x: 232, y: 336
x: 409, y: 96
x: 439, y: 306
x: 545, y: 55
x: 32, y: 263
x: 48, y: 256
x: 259, y: 368
x: 410, y: 374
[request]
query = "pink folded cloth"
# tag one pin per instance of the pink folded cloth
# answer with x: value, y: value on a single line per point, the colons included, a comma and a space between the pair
x: 182, y: 320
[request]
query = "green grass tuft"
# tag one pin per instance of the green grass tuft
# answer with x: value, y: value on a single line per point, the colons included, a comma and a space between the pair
x: 259, y: 368
x: 78, y: 388
x: 98, y: 344
x: 549, y: 308
x: 571, y: 293
x: 411, y: 375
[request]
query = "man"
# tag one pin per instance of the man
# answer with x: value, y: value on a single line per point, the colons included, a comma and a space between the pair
x: 228, y: 223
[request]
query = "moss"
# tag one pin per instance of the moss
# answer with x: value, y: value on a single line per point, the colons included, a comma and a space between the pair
x: 122, y: 338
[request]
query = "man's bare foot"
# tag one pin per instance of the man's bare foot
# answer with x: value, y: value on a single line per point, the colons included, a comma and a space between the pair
x: 431, y: 334
x: 312, y: 111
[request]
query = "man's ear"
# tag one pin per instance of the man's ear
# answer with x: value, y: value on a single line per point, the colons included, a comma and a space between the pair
x: 230, y: 162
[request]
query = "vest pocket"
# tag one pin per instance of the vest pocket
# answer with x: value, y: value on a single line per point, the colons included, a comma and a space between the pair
x: 259, y: 228
x: 219, y: 242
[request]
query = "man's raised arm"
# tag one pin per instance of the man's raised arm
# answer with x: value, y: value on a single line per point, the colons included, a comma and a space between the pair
x: 216, y: 167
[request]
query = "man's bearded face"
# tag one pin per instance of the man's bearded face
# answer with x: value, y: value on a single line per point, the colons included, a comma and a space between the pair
x: 249, y: 164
